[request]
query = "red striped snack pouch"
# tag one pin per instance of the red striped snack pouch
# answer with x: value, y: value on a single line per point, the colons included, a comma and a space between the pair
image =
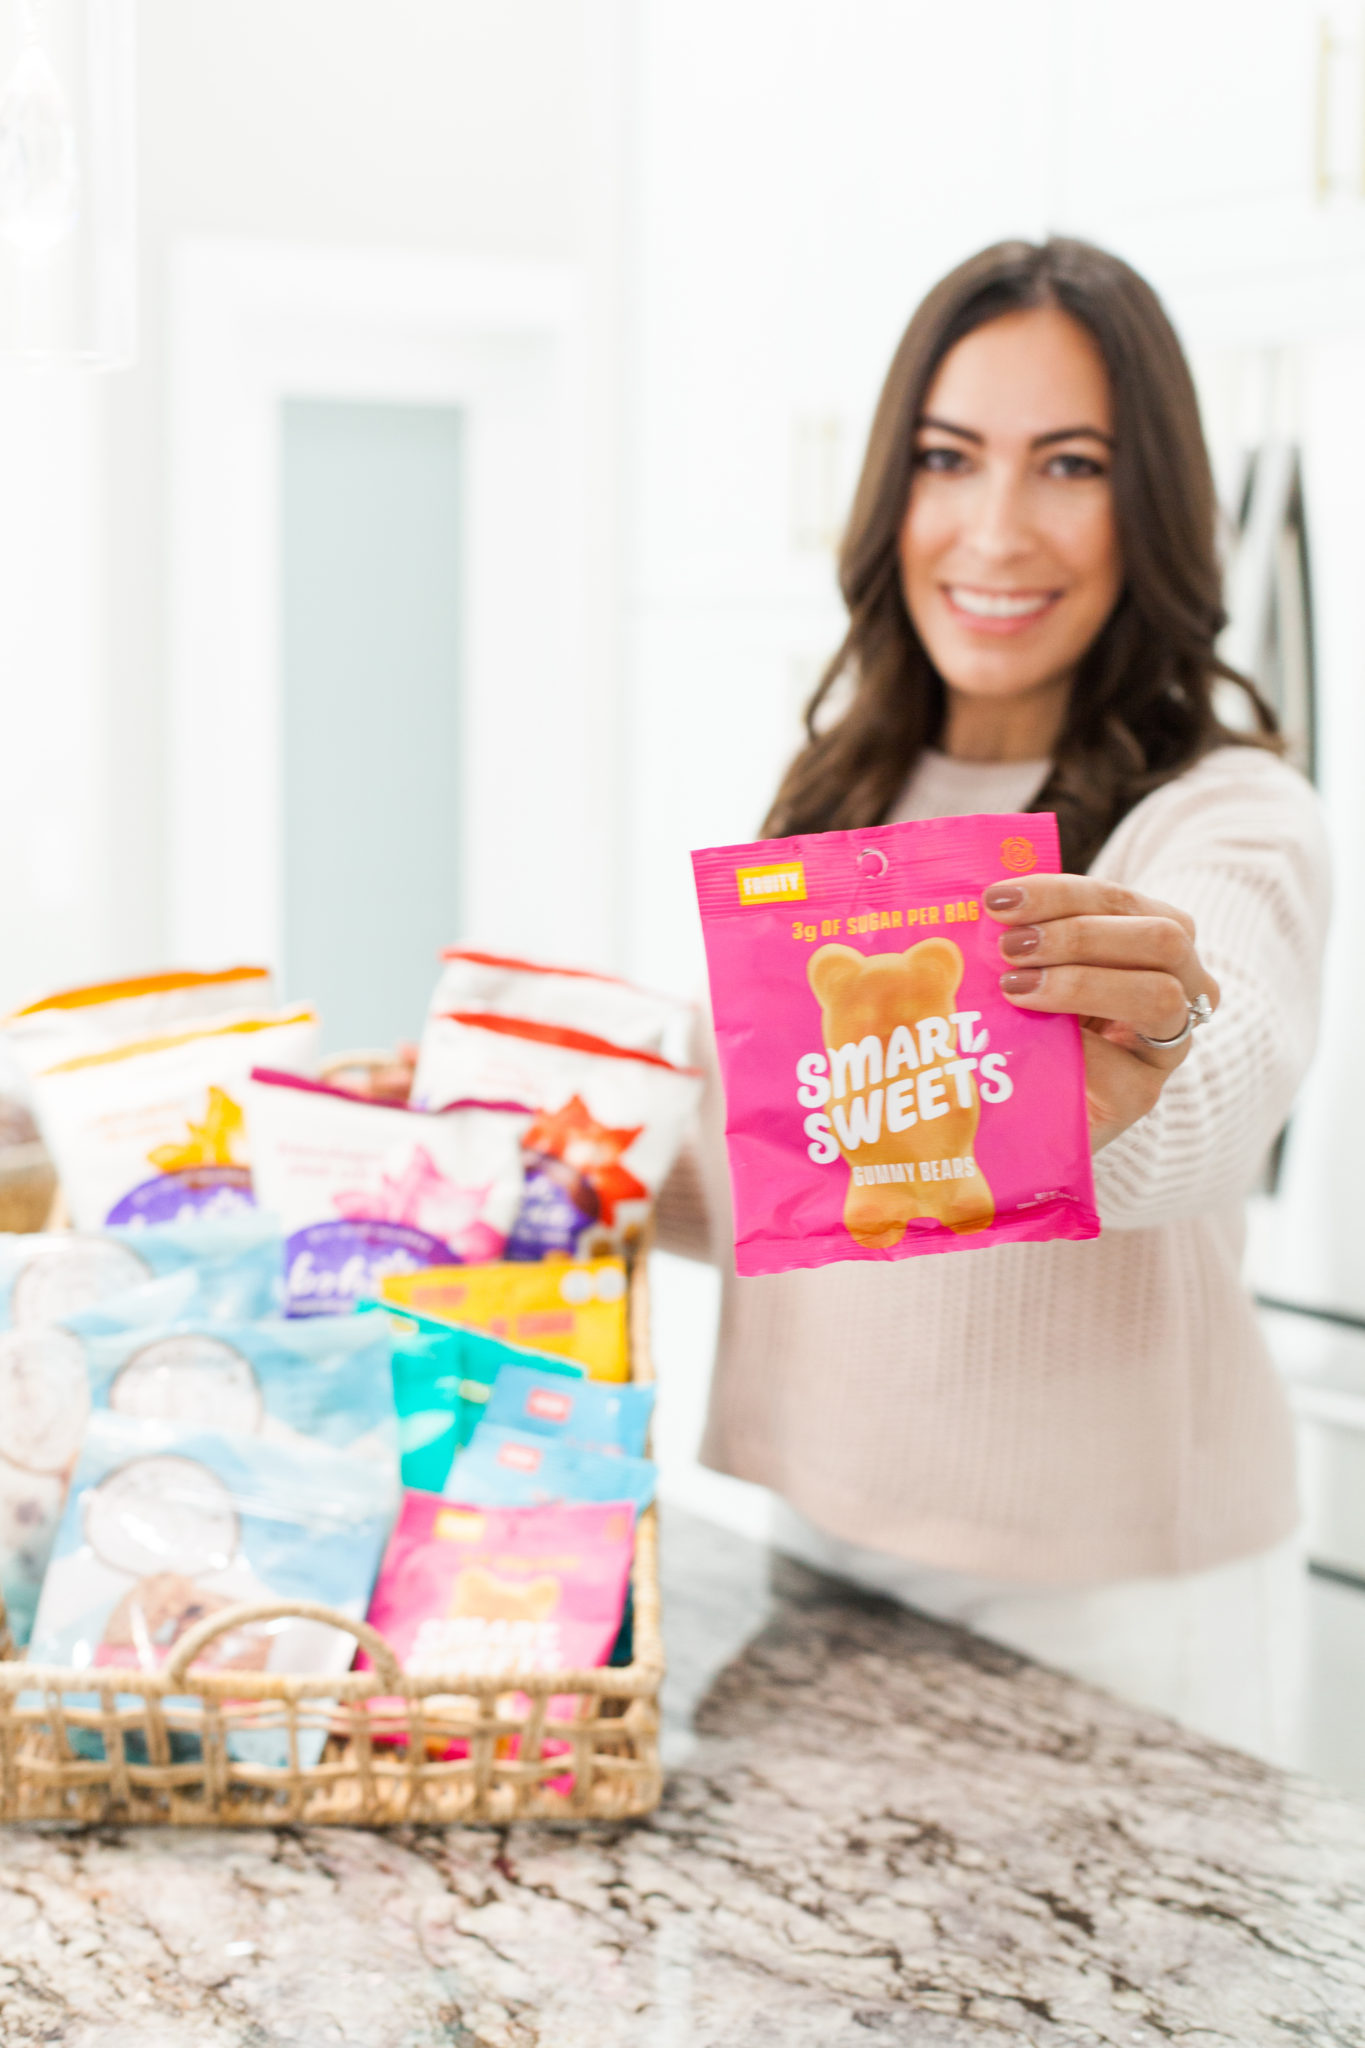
x: 883, y: 1098
x: 609, y: 1121
x: 571, y: 997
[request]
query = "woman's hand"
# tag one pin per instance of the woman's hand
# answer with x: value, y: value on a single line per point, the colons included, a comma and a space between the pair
x: 1123, y: 963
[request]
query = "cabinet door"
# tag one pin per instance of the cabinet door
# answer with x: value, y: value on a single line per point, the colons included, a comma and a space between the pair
x: 1173, y: 105
x: 1216, y: 141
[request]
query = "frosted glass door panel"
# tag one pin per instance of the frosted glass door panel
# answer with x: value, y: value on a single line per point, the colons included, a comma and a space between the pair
x: 372, y: 516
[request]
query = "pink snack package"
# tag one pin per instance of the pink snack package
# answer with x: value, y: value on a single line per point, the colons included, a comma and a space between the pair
x: 494, y: 1592
x: 883, y: 1098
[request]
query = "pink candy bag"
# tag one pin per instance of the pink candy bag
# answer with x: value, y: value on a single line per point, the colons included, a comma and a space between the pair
x: 883, y: 1098
x: 503, y: 1592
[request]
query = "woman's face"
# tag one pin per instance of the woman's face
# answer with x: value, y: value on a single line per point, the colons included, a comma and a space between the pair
x: 1008, y: 552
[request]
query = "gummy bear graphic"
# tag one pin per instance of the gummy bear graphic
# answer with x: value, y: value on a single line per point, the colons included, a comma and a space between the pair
x: 904, y: 1104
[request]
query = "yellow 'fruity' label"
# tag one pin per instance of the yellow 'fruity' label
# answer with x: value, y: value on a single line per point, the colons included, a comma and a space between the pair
x: 783, y: 883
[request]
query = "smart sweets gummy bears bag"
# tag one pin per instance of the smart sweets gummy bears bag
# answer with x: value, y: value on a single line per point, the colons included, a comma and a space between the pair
x: 503, y: 1591
x: 573, y: 1308
x: 152, y: 1131
x: 168, y: 1524
x: 608, y: 1128
x: 364, y: 1188
x: 568, y: 996
x: 883, y: 1098
x: 79, y: 1020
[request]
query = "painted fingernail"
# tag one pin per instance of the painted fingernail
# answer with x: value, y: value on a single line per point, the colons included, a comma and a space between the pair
x: 1021, y: 981
x: 1003, y: 896
x: 1024, y: 938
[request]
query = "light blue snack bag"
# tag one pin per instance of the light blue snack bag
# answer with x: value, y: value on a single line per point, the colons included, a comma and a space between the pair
x: 593, y: 1415
x: 442, y: 1374
x: 323, y: 1381
x: 327, y: 1382
x: 168, y: 1524
x: 230, y: 1268
x: 511, y: 1468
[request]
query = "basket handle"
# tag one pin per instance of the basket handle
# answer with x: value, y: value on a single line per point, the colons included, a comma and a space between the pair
x: 196, y: 1639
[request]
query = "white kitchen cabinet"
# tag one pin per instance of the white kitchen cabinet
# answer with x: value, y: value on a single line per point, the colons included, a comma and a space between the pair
x: 1220, y: 146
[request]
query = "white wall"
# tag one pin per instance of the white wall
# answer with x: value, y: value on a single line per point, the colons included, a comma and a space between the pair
x: 488, y: 127
x: 56, y: 805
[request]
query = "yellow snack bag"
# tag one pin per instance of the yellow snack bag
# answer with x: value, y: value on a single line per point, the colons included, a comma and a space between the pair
x: 572, y: 1308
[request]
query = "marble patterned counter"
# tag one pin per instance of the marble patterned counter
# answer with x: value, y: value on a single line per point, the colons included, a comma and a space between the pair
x: 877, y: 1832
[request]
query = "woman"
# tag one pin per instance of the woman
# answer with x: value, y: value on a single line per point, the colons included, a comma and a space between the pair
x: 1079, y: 1448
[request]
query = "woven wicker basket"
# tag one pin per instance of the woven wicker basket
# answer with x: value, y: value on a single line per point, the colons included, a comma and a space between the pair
x: 378, y: 1767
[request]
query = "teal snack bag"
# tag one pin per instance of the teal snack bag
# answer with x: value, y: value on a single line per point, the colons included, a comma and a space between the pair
x: 441, y: 1381
x: 512, y: 1468
x: 591, y: 1416
x: 168, y: 1524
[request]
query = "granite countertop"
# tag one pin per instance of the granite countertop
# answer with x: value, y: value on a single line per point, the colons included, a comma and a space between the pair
x: 876, y: 1831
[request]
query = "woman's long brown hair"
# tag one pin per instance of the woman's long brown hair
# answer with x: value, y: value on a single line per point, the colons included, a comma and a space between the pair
x: 1142, y: 708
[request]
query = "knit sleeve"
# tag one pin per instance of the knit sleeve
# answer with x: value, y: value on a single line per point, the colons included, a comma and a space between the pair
x: 1239, y: 843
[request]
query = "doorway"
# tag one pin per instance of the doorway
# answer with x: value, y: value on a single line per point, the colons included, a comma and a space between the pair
x: 372, y: 499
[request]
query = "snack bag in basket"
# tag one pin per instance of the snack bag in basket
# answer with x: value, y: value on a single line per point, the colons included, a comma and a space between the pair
x: 567, y: 996
x: 503, y: 1591
x: 231, y: 1265
x: 153, y: 1130
x: 364, y: 1189
x: 287, y: 1382
x: 442, y: 1377
x: 572, y: 1308
x: 517, y: 1468
x: 883, y: 1099
x: 585, y: 1415
x: 168, y: 1524
x: 608, y: 1126
x: 77, y: 1020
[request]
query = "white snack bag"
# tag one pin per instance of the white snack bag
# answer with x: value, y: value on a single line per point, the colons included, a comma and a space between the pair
x: 569, y: 996
x: 363, y: 1188
x: 610, y: 1125
x: 153, y: 1131
x: 77, y: 1020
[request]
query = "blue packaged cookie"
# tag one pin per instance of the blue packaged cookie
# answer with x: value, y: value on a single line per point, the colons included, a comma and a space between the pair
x: 169, y: 1524
x: 229, y: 1269
x: 324, y: 1382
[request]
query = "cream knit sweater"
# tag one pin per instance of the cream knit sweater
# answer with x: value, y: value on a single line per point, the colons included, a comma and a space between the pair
x: 1062, y: 1412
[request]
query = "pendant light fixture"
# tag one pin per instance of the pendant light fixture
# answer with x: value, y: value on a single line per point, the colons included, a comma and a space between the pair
x: 68, y: 244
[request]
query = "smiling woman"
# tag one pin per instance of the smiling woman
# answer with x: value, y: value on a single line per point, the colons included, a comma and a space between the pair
x: 1008, y: 552
x: 1078, y: 1447
x: 1112, y: 527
